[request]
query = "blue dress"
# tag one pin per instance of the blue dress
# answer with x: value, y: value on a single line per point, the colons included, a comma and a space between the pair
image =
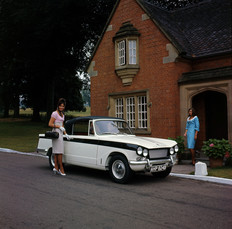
x: 192, y: 125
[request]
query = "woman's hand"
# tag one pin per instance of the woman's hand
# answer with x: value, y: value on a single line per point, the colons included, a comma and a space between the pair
x: 195, y: 137
x: 62, y: 129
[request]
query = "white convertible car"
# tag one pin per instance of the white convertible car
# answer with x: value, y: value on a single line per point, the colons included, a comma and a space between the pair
x: 108, y: 143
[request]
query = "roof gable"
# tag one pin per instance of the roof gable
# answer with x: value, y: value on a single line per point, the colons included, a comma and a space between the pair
x: 198, y: 30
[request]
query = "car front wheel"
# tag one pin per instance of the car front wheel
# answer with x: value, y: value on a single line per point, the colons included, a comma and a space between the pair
x: 163, y: 174
x: 119, y: 169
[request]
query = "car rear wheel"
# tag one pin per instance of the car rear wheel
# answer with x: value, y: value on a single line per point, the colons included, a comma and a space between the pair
x: 119, y: 169
x: 163, y: 174
x: 51, y: 159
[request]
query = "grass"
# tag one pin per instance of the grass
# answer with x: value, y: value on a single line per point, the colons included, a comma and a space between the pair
x: 224, y: 172
x: 22, y: 134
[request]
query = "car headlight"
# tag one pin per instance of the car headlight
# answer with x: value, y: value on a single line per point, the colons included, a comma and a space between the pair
x: 139, y: 151
x: 176, y: 148
x: 142, y: 152
x: 172, y: 151
x: 145, y: 152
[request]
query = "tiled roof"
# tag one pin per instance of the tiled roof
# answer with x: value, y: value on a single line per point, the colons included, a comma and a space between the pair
x: 209, y: 74
x: 199, y: 30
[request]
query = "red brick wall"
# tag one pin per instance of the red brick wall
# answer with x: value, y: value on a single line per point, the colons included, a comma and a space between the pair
x: 160, y: 79
x: 212, y: 63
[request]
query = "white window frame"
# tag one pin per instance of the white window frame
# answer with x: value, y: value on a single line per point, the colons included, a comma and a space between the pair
x: 134, y: 108
x: 142, y: 112
x: 122, y: 52
x: 119, y: 107
x: 132, y: 51
x: 130, y: 111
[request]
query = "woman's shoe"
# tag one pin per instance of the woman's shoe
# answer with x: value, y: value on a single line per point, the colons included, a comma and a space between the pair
x: 55, y: 171
x: 62, y: 174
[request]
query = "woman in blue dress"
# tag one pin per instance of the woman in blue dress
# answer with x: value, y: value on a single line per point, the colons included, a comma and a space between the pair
x: 192, y: 129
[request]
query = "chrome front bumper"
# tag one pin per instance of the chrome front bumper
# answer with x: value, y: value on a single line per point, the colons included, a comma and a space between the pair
x: 148, y: 164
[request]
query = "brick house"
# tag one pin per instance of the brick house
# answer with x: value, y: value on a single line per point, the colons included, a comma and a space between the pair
x: 150, y: 65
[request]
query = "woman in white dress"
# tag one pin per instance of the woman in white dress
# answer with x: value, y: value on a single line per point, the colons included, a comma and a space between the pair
x: 57, y: 123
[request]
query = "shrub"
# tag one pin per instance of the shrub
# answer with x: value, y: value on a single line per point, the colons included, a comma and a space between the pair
x: 180, y: 143
x: 216, y: 148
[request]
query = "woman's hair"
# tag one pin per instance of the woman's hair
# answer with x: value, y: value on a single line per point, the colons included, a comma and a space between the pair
x: 61, y: 101
x: 193, y: 110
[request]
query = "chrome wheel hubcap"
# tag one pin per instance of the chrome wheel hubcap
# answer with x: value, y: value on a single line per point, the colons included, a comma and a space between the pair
x: 52, y: 160
x: 118, y: 169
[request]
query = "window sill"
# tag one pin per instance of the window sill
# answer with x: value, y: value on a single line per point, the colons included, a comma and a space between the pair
x: 127, y: 73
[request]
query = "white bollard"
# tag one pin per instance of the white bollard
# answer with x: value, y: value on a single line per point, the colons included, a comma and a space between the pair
x: 201, y: 169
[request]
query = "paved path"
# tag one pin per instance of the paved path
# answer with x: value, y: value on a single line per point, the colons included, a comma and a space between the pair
x: 184, y: 171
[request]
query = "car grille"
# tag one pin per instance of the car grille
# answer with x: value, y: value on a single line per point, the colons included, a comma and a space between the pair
x: 158, y: 153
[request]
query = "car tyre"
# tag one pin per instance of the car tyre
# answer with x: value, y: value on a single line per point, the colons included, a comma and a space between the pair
x: 163, y: 174
x: 51, y: 159
x: 119, y: 169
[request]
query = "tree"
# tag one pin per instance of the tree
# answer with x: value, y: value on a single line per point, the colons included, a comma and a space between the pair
x: 173, y: 4
x: 11, y: 64
x: 50, y: 40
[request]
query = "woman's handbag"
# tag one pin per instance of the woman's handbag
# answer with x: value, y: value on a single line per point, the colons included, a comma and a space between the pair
x: 51, y: 134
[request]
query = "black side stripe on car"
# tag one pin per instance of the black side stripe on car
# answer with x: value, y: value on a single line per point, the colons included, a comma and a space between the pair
x: 105, y: 143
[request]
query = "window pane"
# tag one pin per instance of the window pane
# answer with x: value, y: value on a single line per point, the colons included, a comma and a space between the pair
x: 119, y: 107
x: 132, y: 52
x: 121, y: 53
x: 130, y: 111
x: 142, y: 112
x: 80, y: 128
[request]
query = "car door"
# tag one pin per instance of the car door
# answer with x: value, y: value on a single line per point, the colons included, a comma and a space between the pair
x: 82, y: 148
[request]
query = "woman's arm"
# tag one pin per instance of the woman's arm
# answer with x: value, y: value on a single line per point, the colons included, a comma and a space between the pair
x: 185, y: 134
x: 197, y: 127
x: 186, y: 129
x: 52, y: 123
x: 195, y: 137
x: 65, y: 130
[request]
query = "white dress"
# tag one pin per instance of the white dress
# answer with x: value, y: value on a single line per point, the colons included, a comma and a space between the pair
x: 58, y: 144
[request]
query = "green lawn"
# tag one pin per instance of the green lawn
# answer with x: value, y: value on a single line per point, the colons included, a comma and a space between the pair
x: 225, y: 172
x: 22, y: 134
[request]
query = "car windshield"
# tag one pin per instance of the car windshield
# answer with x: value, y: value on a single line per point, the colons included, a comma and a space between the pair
x: 112, y: 127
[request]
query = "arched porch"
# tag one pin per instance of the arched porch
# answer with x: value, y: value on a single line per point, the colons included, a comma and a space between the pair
x: 213, y: 102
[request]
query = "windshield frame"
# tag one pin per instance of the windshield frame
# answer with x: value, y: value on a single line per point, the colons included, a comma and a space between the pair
x: 102, y: 129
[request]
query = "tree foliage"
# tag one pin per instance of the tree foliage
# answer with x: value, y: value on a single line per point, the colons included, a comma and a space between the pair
x: 42, y: 46
x: 173, y: 4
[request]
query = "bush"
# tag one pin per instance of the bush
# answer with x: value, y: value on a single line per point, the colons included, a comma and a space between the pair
x: 180, y: 143
x: 216, y: 148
